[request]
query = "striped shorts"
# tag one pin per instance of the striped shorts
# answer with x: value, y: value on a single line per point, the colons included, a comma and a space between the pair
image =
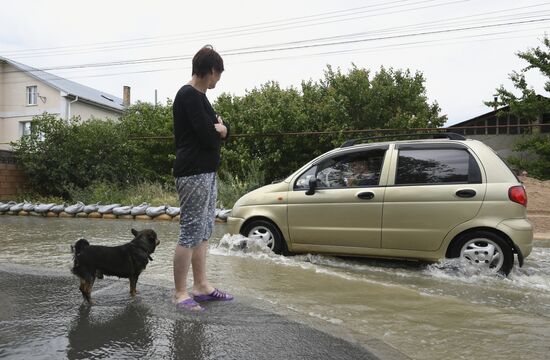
x: 197, y: 195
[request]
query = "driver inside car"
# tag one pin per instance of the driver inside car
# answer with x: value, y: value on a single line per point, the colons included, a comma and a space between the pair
x: 360, y: 175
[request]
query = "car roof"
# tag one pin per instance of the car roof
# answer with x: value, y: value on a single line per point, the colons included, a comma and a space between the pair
x: 393, y: 138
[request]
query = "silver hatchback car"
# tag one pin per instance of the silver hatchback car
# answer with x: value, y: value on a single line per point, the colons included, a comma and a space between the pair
x: 429, y: 199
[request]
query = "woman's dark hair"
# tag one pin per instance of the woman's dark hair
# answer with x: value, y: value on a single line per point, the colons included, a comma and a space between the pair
x: 206, y: 60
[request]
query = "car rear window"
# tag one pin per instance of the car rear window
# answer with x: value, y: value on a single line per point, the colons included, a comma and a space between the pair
x: 436, y: 166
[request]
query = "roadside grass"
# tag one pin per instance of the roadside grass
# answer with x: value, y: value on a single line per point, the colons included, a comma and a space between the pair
x: 230, y: 189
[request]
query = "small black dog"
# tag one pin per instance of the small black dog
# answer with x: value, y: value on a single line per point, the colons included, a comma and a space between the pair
x: 125, y: 261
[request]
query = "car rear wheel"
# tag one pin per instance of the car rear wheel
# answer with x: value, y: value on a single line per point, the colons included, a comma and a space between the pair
x: 267, y: 233
x: 485, y: 249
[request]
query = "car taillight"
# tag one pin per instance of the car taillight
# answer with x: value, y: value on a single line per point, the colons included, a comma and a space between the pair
x: 518, y: 194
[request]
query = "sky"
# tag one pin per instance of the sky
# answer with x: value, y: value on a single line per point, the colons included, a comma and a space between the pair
x: 465, y: 49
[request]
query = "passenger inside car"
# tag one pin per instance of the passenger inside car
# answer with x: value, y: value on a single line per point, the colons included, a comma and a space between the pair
x: 360, y: 174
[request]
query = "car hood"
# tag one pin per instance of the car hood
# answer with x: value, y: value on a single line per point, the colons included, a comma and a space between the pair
x: 259, y: 195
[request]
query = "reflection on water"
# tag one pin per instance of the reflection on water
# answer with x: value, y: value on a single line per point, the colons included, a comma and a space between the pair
x: 41, y: 318
x: 92, y: 338
x: 427, y: 311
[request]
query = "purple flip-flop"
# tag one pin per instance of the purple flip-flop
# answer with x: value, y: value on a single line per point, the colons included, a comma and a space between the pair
x: 216, y: 295
x: 189, y: 304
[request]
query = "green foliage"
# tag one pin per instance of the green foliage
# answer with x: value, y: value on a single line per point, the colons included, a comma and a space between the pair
x: 152, y: 157
x: 60, y: 156
x: 84, y: 159
x: 154, y: 193
x: 231, y: 187
x: 339, y: 102
x: 530, y: 106
x: 537, y: 162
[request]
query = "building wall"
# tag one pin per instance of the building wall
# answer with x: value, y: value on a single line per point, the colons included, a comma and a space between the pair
x: 14, y: 109
x: 502, y: 144
x: 13, y: 103
x: 12, y: 178
x: 86, y: 111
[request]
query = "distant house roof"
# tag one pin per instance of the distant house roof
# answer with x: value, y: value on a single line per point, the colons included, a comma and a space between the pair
x: 70, y: 87
x: 490, y: 114
x: 479, y: 117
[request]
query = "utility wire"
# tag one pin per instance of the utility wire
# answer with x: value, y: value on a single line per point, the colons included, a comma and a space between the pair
x: 304, y: 44
x: 467, y: 19
x: 228, y: 31
x: 413, y: 44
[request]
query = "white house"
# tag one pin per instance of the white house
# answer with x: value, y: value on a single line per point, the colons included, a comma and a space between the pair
x: 26, y: 92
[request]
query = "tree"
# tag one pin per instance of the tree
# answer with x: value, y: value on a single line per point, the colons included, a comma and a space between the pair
x: 529, y: 105
x: 145, y: 125
x: 59, y: 155
x: 339, y: 102
x: 390, y: 99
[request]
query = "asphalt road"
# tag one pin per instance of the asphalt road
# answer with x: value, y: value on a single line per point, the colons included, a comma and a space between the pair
x: 42, y: 315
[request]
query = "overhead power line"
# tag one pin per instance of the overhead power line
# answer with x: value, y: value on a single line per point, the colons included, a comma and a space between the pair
x: 294, y: 45
x: 269, y: 26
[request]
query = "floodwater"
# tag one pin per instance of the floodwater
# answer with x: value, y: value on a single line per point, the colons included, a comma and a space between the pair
x: 426, y: 311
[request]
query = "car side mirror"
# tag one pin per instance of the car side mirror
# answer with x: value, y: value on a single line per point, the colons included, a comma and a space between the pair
x: 312, y: 185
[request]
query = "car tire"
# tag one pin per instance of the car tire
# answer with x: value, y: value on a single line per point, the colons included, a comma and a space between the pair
x: 268, y: 232
x: 484, y: 247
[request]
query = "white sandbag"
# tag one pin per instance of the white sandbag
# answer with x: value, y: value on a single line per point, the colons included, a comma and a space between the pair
x: 17, y: 207
x: 139, y: 209
x: 223, y: 214
x: 43, y: 208
x: 58, y: 208
x: 91, y: 208
x: 28, y: 207
x: 155, y: 210
x: 122, y: 210
x: 76, y: 208
x: 107, y: 209
x: 6, y: 206
x: 173, y: 211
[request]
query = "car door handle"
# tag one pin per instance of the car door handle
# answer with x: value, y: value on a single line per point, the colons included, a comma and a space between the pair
x: 466, y: 193
x: 367, y: 195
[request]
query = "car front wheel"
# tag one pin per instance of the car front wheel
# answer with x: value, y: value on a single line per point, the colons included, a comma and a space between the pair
x: 485, y: 249
x: 267, y: 233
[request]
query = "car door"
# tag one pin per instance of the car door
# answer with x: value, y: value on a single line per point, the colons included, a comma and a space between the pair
x: 431, y: 189
x: 339, y: 214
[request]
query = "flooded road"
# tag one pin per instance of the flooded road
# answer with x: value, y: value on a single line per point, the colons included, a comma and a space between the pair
x: 436, y: 311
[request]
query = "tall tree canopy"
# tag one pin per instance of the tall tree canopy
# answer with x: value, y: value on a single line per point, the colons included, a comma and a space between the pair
x: 60, y: 155
x: 340, y: 101
x: 527, y: 104
x: 530, y: 106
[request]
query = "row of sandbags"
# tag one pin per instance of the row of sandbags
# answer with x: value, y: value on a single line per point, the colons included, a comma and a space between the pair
x: 115, y: 209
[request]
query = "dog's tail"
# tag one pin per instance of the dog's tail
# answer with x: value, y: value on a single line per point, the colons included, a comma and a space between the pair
x: 79, y: 246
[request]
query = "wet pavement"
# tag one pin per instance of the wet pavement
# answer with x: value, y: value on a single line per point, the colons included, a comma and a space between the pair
x: 42, y: 316
x: 446, y: 310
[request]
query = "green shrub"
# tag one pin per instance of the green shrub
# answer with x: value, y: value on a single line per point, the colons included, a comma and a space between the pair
x: 537, y: 163
x: 231, y: 187
x: 156, y: 194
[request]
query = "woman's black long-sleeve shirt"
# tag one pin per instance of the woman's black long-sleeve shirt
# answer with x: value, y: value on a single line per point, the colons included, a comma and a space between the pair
x: 197, y: 141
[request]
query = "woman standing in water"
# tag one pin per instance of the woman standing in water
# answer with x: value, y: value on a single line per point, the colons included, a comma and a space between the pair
x: 198, y: 132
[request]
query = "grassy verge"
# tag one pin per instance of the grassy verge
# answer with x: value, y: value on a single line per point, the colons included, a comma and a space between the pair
x: 230, y: 189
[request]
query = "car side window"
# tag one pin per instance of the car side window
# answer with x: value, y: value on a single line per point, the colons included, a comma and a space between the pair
x: 359, y: 169
x: 302, y: 183
x: 436, y: 166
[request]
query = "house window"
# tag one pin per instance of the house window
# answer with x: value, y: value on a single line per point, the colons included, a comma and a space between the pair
x: 32, y: 95
x: 25, y: 128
